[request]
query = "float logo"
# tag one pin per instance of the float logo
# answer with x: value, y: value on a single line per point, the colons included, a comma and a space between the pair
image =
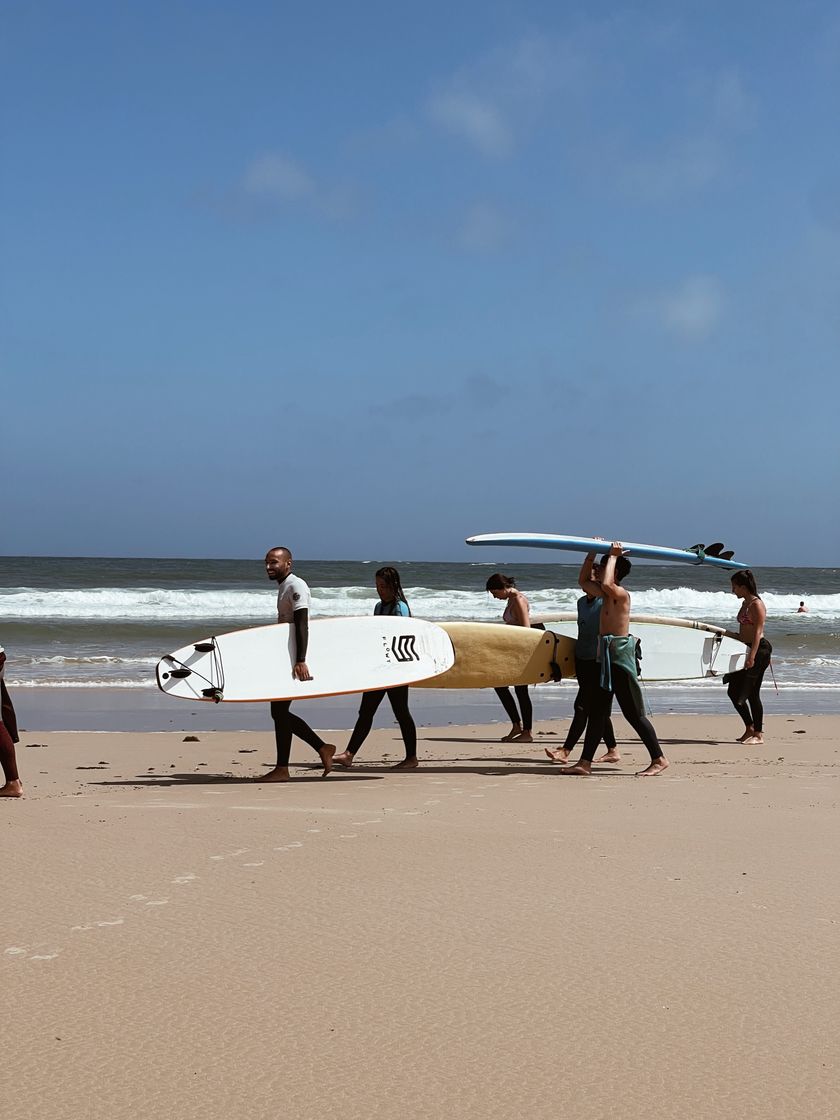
x: 403, y: 648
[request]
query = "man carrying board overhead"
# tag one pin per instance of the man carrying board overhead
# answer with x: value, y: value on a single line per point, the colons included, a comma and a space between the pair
x: 293, y: 600
x: 619, y: 674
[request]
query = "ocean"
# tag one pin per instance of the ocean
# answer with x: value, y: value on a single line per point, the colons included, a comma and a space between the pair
x: 99, y: 623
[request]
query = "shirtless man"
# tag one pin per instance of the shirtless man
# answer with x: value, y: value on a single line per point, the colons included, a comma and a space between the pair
x: 293, y: 601
x: 619, y: 676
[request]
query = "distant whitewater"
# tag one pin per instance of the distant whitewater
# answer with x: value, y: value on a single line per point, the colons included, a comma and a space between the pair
x: 103, y: 623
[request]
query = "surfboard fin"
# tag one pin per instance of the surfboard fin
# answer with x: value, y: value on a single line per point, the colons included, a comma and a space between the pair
x: 714, y: 549
x: 727, y: 555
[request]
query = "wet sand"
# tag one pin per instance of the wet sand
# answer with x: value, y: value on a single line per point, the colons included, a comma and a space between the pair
x: 480, y: 937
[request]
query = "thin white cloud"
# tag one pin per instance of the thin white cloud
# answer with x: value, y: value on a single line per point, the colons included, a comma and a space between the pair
x: 694, y: 309
x: 492, y: 103
x: 484, y: 229
x: 734, y: 107
x: 475, y: 120
x: 274, y: 181
x: 276, y: 177
x: 688, y: 165
x: 690, y: 311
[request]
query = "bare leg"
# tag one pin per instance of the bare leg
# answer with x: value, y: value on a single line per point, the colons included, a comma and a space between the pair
x: 560, y: 755
x: 278, y: 774
x: 610, y: 756
x: 580, y: 769
x: 12, y: 787
x: 656, y: 767
x: 326, y: 754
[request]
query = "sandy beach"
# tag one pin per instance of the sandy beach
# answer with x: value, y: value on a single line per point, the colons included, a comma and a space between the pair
x: 480, y: 937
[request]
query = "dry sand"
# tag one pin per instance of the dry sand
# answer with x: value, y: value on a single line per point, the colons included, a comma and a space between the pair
x: 478, y: 938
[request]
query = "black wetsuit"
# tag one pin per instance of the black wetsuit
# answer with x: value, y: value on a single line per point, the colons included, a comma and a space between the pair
x: 525, y: 706
x: 625, y: 688
x: 745, y: 685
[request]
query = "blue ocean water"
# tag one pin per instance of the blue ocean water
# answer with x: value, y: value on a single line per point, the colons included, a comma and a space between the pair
x: 99, y: 623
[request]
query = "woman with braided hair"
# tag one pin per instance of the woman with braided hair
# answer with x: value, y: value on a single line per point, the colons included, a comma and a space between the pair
x: 392, y: 601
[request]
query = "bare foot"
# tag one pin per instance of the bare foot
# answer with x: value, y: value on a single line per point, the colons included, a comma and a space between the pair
x: 344, y: 759
x: 406, y: 764
x: 278, y: 774
x: 748, y: 734
x: 579, y: 770
x: 326, y: 752
x: 656, y: 767
x: 12, y: 789
x: 560, y: 755
x: 610, y: 756
x: 511, y: 735
x: 523, y: 737
x: 754, y: 740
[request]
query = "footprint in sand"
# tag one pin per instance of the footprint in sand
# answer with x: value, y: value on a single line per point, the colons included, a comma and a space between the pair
x: 230, y: 855
x: 188, y: 877
x: 16, y: 951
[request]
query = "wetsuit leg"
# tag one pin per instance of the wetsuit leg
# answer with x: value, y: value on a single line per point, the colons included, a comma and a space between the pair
x: 737, y: 690
x: 577, y: 726
x: 287, y: 724
x: 364, y: 722
x: 637, y: 720
x: 398, y: 698
x: 508, y: 703
x: 599, y: 714
x: 745, y: 688
x: 588, y: 673
x: 525, y: 706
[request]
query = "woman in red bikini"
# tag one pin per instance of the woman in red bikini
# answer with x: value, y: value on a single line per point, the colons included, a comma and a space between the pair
x: 745, y: 685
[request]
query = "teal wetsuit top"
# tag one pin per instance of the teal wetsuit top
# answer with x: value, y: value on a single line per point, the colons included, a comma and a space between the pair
x: 589, y: 626
x: 395, y: 607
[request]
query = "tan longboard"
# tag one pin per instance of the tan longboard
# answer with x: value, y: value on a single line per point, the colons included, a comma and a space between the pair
x: 492, y: 655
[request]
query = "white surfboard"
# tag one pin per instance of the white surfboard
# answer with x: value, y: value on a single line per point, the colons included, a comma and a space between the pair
x: 344, y: 655
x: 673, y: 649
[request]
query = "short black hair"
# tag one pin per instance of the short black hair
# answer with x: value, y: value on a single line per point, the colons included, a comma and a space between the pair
x: 622, y: 567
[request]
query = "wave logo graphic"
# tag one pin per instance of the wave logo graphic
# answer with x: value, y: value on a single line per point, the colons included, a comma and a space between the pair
x: 403, y: 648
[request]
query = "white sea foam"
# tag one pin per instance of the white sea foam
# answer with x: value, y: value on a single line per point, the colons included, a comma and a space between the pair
x: 173, y: 605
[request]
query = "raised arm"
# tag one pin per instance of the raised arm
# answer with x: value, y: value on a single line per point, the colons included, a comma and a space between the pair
x: 609, y: 588
x: 585, y: 580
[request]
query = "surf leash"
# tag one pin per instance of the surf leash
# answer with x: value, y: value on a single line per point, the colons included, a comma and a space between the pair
x: 214, y: 692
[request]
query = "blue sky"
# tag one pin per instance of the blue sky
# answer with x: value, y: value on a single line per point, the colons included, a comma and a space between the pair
x: 371, y: 278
